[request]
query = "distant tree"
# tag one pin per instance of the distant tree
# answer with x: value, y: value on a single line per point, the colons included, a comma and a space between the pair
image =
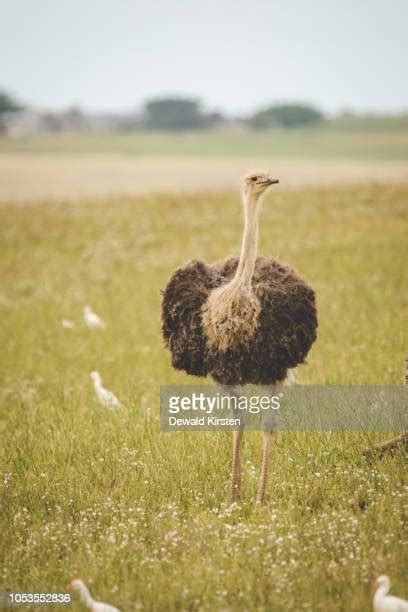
x: 214, y: 119
x: 176, y: 114
x: 285, y: 116
x: 8, y: 105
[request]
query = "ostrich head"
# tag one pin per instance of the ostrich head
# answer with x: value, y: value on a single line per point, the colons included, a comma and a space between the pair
x: 256, y: 183
x: 383, y: 582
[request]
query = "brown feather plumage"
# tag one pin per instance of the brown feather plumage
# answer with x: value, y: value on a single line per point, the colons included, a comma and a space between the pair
x: 285, y: 333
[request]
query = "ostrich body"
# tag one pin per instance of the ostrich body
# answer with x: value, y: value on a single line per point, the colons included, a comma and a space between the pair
x: 383, y: 602
x: 244, y: 320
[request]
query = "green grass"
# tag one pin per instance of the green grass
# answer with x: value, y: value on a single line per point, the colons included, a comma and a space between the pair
x: 327, y: 142
x: 141, y: 515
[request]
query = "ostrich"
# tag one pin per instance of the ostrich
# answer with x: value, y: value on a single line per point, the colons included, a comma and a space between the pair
x: 244, y: 320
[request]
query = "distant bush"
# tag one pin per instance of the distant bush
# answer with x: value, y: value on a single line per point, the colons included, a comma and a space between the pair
x: 177, y: 114
x: 8, y: 105
x: 285, y: 116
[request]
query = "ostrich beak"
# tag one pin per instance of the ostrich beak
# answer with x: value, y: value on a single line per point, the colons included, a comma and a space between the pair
x: 272, y: 181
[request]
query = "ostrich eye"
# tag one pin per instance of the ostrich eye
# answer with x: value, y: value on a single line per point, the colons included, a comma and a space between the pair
x: 254, y: 178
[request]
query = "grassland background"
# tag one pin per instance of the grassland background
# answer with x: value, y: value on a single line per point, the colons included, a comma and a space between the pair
x: 72, y: 167
x: 356, y: 140
x: 140, y: 515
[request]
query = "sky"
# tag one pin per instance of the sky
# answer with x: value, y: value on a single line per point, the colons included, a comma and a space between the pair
x: 234, y: 55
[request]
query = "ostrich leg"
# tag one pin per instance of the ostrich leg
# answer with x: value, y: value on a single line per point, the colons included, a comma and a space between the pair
x: 267, y: 437
x: 236, y: 466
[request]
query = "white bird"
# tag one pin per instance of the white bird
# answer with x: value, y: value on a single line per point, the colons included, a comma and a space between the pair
x: 67, y: 324
x: 92, y: 320
x: 105, y: 397
x: 88, y: 600
x: 383, y: 602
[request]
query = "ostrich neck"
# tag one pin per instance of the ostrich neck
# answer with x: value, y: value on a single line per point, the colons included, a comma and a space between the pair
x: 231, y: 312
x: 249, y: 247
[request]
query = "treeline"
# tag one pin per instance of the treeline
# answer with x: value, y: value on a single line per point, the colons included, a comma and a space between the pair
x: 178, y: 114
x: 165, y: 114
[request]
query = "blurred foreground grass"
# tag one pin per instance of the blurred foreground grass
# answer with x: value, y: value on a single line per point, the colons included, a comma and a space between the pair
x: 140, y: 515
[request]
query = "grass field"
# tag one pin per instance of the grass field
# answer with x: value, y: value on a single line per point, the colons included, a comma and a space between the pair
x: 73, y: 167
x: 317, y: 143
x: 140, y: 515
